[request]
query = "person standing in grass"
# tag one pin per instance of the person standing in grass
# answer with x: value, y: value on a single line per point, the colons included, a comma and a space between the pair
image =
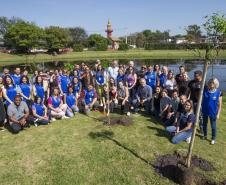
x: 182, y: 130
x: 25, y: 90
x: 56, y: 106
x: 16, y: 76
x: 10, y: 91
x: 72, y: 102
x: 89, y: 99
x: 2, y: 108
x: 211, y: 107
x: 155, y: 106
x: 39, y: 112
x: 170, y: 83
x: 151, y: 77
x: 38, y: 88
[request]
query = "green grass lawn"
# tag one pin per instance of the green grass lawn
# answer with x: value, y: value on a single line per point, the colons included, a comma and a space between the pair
x: 67, y: 152
x: 106, y: 55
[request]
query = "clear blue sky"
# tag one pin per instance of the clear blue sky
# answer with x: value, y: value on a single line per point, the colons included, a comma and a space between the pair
x: 135, y: 15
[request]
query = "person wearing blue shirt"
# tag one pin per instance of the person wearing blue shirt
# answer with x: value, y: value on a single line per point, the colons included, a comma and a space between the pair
x: 10, y: 91
x: 72, y: 102
x: 150, y: 77
x: 211, y: 107
x: 16, y: 76
x: 64, y: 82
x: 77, y: 87
x: 163, y: 75
x: 182, y: 130
x: 39, y: 112
x: 89, y: 99
x: 38, y: 88
x: 25, y: 89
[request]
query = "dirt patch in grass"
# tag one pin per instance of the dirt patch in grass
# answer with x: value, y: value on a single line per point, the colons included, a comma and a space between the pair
x: 121, y: 120
x: 172, y: 167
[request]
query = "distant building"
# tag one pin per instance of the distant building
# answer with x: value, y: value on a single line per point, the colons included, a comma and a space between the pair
x: 181, y: 40
x: 114, y: 40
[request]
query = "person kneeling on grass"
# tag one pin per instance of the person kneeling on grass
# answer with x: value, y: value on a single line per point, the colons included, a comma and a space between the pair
x: 39, y: 112
x: 183, y: 129
x: 89, y: 99
x: 72, y: 102
x: 56, y: 106
x: 18, y: 114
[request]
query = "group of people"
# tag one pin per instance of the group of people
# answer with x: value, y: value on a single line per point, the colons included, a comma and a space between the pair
x: 151, y: 90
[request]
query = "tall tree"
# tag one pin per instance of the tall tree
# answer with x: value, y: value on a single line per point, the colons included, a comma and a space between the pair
x: 78, y: 35
x: 97, y: 42
x: 24, y: 36
x: 194, y: 33
x: 56, y: 38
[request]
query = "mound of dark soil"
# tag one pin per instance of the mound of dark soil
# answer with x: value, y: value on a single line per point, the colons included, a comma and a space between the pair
x: 122, y: 120
x: 172, y: 167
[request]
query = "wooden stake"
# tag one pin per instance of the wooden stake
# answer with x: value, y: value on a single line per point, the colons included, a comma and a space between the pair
x: 205, y: 70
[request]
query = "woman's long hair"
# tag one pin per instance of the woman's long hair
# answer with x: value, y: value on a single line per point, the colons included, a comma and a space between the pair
x: 6, y: 84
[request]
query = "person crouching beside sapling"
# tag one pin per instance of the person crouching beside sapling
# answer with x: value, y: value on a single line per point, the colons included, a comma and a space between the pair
x: 183, y: 129
x: 89, y: 99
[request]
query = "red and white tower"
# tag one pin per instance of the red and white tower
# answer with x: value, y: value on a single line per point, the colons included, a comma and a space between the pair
x: 109, y: 30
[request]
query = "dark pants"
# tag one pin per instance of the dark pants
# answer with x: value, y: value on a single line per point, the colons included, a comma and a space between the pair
x: 213, y: 125
x: 125, y: 107
x: 40, y: 121
x: 2, y: 112
x: 146, y: 105
x: 16, y: 128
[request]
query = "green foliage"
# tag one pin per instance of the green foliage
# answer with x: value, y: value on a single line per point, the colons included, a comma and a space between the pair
x: 171, y: 46
x: 78, y: 47
x: 193, y: 33
x: 123, y: 46
x: 24, y: 36
x: 97, y: 42
x: 57, y: 38
x: 78, y: 35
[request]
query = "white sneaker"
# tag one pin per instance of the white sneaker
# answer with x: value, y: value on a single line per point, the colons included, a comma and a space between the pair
x: 65, y: 117
x: 128, y: 113
x: 53, y: 119
x: 188, y: 140
x: 131, y: 107
x: 212, y: 142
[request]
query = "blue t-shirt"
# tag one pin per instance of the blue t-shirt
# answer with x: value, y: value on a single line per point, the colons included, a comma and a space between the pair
x: 186, y: 118
x: 70, y: 100
x: 150, y: 78
x: 210, y: 102
x: 39, y: 108
x: 40, y: 91
x: 25, y: 89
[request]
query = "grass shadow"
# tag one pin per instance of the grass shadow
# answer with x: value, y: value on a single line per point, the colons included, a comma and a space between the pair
x: 160, y: 132
x: 108, y: 135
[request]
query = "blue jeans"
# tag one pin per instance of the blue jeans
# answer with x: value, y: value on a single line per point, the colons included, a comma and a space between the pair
x: 213, y: 125
x: 179, y: 137
x: 74, y: 109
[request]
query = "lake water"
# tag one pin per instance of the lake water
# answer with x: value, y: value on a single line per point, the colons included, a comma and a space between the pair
x: 216, y: 69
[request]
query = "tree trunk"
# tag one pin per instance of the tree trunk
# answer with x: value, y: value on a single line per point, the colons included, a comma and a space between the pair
x: 188, y: 160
